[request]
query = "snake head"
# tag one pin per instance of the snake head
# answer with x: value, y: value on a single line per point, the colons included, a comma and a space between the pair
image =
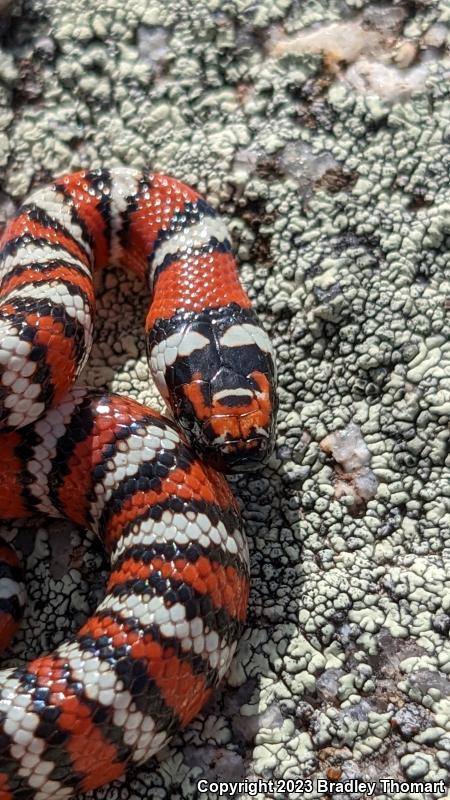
x: 217, y: 374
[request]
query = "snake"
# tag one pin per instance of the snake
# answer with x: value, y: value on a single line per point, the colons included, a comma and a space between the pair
x: 152, y: 487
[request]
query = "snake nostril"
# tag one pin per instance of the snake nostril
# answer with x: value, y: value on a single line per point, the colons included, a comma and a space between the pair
x: 177, y: 594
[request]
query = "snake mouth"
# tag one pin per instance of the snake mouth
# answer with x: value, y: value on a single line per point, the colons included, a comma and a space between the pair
x: 238, y: 455
x: 231, y: 427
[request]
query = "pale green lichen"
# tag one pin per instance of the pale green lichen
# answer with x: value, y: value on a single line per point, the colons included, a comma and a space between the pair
x: 336, y: 189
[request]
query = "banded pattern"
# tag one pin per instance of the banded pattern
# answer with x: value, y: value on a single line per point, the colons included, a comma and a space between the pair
x: 164, y: 635
x: 209, y: 356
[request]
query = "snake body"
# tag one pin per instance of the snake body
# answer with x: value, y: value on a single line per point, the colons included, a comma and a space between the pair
x: 147, y: 660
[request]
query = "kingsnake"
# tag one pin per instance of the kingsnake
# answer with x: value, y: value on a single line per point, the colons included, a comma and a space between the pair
x: 162, y: 638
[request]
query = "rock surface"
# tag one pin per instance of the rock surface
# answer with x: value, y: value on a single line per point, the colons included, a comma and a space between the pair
x: 321, y: 130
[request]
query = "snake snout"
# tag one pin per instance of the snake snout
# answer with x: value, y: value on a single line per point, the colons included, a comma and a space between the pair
x: 234, y: 419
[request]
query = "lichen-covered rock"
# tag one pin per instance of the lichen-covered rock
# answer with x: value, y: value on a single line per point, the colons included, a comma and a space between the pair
x: 321, y: 131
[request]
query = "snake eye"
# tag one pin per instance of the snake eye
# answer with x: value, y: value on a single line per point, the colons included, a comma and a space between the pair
x: 220, y: 387
x: 229, y: 419
x: 178, y: 589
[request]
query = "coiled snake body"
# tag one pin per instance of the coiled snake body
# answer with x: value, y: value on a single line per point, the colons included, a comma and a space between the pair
x: 162, y: 638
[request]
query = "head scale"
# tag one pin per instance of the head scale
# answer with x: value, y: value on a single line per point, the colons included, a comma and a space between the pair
x: 217, y: 372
